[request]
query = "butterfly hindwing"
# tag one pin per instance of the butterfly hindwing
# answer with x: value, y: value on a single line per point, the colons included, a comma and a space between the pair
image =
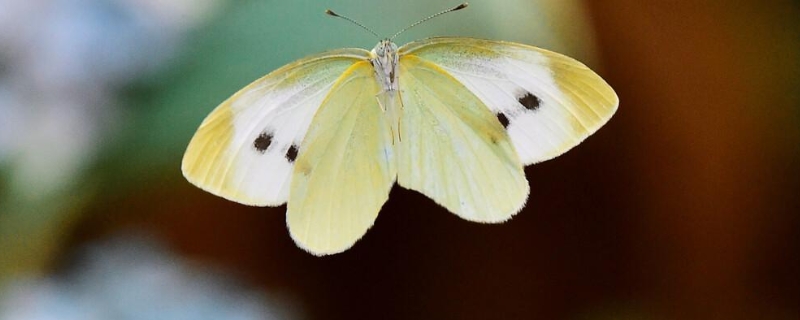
x: 548, y: 102
x: 345, y: 168
x: 453, y: 149
x: 245, y: 149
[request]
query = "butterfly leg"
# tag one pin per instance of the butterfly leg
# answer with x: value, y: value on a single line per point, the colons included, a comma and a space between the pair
x: 380, y: 103
x: 388, y: 101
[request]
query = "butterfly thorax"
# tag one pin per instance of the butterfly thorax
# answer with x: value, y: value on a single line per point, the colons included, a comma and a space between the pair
x: 384, y: 59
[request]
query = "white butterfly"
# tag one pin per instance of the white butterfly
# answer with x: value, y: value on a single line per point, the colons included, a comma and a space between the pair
x: 455, y: 119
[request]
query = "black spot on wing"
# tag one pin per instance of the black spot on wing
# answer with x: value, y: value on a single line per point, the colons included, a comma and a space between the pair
x: 291, y: 154
x: 503, y: 119
x: 529, y: 101
x: 262, y: 142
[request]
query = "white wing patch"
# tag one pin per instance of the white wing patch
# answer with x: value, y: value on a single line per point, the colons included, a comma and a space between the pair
x: 244, y: 151
x: 548, y: 102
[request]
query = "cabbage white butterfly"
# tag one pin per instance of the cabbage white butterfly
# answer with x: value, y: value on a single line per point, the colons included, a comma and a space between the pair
x: 455, y: 119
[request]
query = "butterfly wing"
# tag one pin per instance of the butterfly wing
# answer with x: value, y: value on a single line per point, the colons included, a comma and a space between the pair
x: 548, y: 102
x: 345, y: 168
x: 453, y: 149
x: 245, y: 149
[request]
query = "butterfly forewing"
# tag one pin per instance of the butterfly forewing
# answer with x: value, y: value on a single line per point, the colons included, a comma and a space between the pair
x: 548, y: 102
x: 345, y: 167
x: 453, y: 149
x: 245, y: 149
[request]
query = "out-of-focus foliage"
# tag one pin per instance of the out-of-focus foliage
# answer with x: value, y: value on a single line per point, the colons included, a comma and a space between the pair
x: 132, y: 277
x: 65, y: 64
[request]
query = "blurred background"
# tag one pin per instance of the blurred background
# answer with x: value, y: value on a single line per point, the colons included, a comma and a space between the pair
x: 684, y: 206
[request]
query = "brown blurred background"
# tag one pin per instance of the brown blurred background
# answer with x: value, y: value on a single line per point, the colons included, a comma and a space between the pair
x: 684, y: 206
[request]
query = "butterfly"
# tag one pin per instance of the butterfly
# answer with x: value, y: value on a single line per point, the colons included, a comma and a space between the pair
x: 453, y: 118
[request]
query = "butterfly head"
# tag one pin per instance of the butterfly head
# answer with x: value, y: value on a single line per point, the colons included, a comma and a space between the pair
x: 385, y: 48
x: 385, y: 59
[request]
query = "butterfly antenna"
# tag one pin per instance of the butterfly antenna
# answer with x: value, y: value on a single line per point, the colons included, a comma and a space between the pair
x: 334, y: 14
x: 456, y: 8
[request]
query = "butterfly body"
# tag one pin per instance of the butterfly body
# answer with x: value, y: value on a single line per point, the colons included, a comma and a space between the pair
x: 385, y: 60
x: 455, y: 119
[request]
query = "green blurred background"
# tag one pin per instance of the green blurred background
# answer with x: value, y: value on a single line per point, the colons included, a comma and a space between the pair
x: 684, y: 206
